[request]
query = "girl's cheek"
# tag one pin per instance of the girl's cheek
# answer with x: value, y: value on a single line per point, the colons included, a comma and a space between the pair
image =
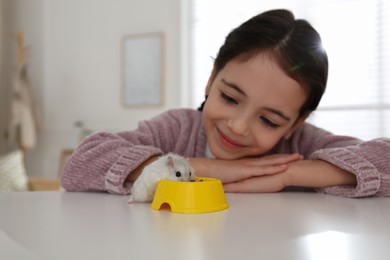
x: 266, y: 140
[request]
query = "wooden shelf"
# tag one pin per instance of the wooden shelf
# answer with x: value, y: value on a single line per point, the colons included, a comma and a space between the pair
x: 41, y: 184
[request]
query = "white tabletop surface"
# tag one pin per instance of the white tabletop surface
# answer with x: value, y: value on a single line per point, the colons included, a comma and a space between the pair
x: 64, y: 225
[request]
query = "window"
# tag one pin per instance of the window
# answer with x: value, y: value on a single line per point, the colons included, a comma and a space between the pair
x: 356, y: 35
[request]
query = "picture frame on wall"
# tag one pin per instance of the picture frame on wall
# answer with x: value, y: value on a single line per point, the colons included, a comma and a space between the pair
x: 142, y: 69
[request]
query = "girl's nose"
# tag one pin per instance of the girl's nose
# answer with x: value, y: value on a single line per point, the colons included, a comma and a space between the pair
x: 239, y: 125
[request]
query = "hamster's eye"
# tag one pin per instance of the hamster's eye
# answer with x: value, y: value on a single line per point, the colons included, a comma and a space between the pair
x: 178, y: 174
x: 190, y: 173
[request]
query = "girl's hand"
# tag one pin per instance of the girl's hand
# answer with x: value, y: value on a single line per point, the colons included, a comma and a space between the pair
x: 232, y: 171
x: 300, y: 173
x: 262, y: 184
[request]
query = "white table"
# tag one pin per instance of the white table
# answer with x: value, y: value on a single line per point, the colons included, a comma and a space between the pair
x: 64, y: 225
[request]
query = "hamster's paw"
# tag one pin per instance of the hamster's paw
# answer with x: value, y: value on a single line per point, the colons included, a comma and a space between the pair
x: 131, y: 200
x: 139, y: 199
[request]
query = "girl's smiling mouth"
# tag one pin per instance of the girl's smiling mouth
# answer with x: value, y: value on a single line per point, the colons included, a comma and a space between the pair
x: 227, y: 142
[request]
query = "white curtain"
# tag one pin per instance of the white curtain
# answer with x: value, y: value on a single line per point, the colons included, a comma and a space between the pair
x: 23, y: 126
x: 24, y: 119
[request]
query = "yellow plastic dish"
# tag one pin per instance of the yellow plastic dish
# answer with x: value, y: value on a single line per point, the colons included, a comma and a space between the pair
x: 200, y: 196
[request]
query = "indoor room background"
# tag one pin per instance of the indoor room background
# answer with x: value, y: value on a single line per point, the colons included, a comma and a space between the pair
x: 74, y: 63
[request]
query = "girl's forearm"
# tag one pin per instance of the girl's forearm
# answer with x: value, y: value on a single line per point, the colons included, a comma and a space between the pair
x: 317, y: 174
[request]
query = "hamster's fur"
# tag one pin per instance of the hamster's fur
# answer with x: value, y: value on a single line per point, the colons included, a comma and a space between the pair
x: 168, y: 167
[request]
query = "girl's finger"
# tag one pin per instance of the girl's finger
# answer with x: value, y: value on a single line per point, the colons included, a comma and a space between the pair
x: 277, y: 159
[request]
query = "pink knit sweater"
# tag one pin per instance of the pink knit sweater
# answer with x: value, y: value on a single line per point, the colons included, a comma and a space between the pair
x: 103, y: 160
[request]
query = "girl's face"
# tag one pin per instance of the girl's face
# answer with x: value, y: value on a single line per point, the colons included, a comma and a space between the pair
x: 250, y: 106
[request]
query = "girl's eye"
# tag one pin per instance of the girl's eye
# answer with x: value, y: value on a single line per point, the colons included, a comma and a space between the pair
x: 269, y: 122
x: 178, y: 174
x: 228, y: 99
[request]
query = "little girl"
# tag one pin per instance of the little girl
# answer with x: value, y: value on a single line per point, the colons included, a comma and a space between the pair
x: 250, y: 132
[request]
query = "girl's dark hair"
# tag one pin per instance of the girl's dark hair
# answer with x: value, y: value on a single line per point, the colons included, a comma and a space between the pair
x: 294, y: 44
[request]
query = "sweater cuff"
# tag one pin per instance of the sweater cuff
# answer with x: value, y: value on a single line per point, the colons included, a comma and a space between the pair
x: 127, y: 162
x: 367, y: 176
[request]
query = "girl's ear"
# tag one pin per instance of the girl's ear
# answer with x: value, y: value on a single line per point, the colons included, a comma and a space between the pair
x: 300, y: 121
x: 212, y: 77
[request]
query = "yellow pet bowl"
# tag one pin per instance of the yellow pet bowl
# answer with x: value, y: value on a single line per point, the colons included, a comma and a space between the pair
x: 200, y: 196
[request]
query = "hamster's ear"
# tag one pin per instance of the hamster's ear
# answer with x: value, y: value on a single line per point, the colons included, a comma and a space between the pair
x: 170, y: 161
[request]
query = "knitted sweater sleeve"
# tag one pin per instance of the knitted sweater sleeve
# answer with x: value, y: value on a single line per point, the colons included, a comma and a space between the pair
x: 103, y: 160
x: 368, y: 160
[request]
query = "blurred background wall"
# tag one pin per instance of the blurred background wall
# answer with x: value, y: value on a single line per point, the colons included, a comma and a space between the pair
x: 74, y: 66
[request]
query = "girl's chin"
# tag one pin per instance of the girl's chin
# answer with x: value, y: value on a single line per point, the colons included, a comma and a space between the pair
x: 224, y: 154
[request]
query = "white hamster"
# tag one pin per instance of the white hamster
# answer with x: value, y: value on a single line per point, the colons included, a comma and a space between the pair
x: 168, y: 167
